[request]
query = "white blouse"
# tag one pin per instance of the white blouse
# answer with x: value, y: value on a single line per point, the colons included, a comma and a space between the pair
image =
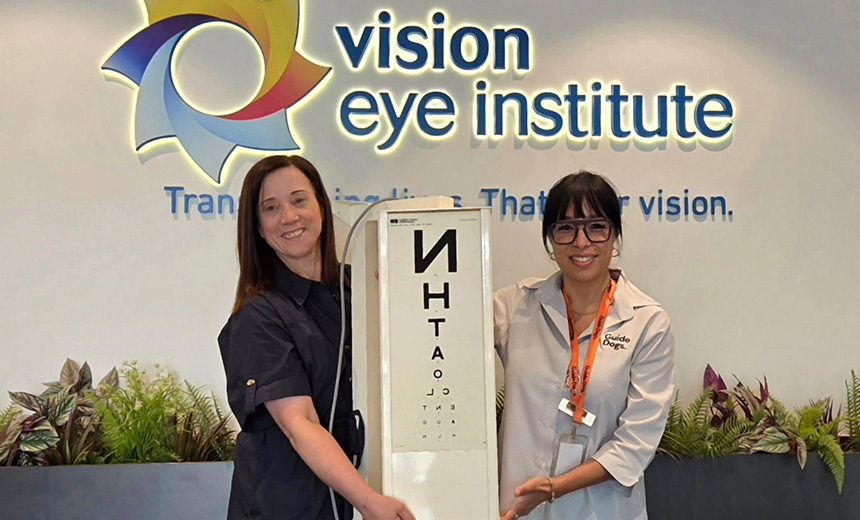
x: 630, y: 393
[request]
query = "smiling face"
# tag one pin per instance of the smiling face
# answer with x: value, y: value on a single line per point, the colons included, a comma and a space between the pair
x: 291, y: 220
x: 583, y: 261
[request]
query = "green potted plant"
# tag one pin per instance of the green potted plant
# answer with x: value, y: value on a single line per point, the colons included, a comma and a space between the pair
x: 61, y: 426
x: 162, y: 421
x: 704, y: 469
x: 114, y: 450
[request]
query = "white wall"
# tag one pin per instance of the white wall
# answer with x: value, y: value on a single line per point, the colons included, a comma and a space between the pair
x: 95, y: 267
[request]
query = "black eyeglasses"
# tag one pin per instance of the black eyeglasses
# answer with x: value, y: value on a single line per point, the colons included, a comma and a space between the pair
x: 564, y: 232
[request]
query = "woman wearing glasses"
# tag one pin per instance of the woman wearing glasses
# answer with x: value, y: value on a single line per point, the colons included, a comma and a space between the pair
x: 588, y: 363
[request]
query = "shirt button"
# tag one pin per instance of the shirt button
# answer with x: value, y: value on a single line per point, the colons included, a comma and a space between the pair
x: 251, y: 382
x: 346, y: 347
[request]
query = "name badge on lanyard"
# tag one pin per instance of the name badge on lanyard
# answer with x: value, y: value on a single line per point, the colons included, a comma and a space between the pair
x: 566, y: 406
x: 570, y: 454
x: 572, y: 448
x: 578, y: 384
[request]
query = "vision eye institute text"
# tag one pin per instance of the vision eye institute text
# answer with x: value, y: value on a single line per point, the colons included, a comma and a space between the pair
x: 575, y: 111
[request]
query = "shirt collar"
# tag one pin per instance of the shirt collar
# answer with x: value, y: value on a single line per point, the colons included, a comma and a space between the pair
x: 291, y: 284
x: 627, y: 298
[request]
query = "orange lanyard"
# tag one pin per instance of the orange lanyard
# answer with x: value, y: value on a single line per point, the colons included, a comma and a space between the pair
x: 577, y: 387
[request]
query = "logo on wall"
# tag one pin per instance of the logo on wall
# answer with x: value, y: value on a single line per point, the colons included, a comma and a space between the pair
x: 161, y: 112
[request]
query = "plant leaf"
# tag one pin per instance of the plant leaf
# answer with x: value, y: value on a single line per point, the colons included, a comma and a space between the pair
x: 51, y: 391
x: 745, y: 399
x: 809, y: 415
x: 713, y: 380
x: 65, y: 409
x: 10, y: 434
x: 108, y: 382
x: 40, y: 438
x: 710, y: 379
x: 853, y: 404
x: 70, y: 374
x: 86, y: 422
x: 801, y: 454
x: 764, y: 391
x: 85, y: 378
x: 774, y: 441
x: 833, y: 456
x: 86, y: 406
x: 6, y: 416
x: 29, y: 401
x: 781, y: 414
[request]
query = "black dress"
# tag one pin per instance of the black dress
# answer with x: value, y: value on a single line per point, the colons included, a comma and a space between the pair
x: 284, y: 344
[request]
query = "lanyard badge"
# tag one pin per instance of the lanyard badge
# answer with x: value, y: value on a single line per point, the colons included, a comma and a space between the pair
x: 579, y: 385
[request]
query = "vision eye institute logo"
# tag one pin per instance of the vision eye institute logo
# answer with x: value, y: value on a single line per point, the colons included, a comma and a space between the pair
x: 147, y: 60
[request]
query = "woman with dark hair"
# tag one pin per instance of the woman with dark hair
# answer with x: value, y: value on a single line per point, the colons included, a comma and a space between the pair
x: 589, y: 363
x: 280, y: 351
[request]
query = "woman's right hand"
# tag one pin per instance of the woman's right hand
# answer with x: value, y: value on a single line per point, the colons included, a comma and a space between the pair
x: 381, y: 507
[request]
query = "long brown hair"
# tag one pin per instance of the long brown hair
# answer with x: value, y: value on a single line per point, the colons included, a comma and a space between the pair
x: 257, y: 260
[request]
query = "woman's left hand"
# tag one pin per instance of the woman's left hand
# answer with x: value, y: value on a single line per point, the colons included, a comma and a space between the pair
x: 530, y: 495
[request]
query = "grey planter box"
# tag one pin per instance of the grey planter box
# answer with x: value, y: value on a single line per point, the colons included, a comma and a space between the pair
x: 738, y: 487
x: 741, y: 487
x: 186, y: 491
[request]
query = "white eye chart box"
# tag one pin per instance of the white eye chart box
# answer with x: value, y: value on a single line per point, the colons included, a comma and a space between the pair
x: 423, y: 359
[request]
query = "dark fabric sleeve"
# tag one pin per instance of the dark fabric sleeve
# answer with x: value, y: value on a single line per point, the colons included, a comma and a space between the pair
x: 261, y: 361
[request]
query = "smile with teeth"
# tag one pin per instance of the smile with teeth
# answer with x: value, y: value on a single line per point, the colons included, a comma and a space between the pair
x: 582, y: 259
x: 293, y: 234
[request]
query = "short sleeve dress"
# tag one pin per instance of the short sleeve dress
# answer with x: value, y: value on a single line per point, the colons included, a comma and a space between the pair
x: 285, y: 344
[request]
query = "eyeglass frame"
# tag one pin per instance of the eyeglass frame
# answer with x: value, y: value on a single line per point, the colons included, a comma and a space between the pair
x: 580, y: 223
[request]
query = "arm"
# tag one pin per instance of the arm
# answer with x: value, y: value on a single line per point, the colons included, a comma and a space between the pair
x: 502, y: 303
x: 539, y: 490
x: 298, y: 420
x: 649, y: 396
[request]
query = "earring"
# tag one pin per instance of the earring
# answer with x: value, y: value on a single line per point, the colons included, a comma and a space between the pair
x: 552, y: 256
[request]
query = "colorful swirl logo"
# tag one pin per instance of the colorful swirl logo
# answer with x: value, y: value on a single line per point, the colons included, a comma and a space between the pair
x: 161, y: 112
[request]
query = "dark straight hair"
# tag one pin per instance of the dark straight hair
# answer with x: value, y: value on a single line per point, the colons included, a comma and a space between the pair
x: 578, y: 190
x: 257, y: 260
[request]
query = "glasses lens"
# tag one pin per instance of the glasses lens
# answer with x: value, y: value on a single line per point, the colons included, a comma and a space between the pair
x: 564, y: 232
x: 598, y: 231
